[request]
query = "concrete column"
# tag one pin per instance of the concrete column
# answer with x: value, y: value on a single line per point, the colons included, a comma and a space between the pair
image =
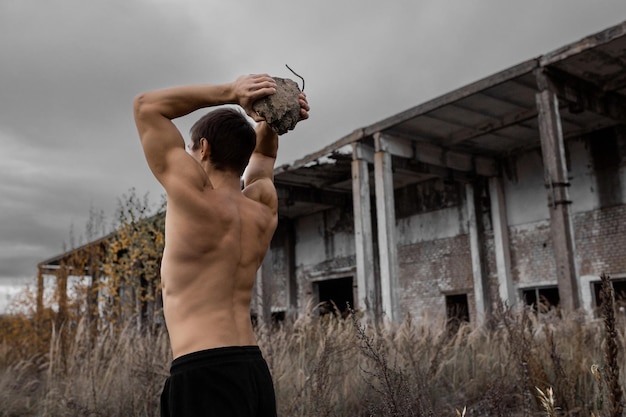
x: 40, y: 290
x: 92, y: 294
x: 61, y: 281
x: 263, y: 290
x: 363, y: 232
x: 501, y: 242
x: 292, y: 285
x: 387, y: 241
x: 475, y: 234
x: 557, y: 184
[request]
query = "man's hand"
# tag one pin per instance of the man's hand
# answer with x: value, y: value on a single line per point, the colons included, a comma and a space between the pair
x: 250, y: 88
x: 304, y: 106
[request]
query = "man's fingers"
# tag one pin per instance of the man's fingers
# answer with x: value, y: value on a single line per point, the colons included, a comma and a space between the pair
x: 260, y: 89
x: 255, y: 116
x: 304, y: 106
x: 257, y: 76
x: 262, y: 81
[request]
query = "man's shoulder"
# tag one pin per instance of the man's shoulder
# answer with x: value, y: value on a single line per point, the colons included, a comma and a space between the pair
x: 262, y: 191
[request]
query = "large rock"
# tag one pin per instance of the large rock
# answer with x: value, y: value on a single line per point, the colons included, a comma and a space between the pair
x: 281, y: 110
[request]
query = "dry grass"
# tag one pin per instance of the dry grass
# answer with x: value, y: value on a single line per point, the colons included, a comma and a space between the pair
x: 120, y: 373
x: 517, y: 364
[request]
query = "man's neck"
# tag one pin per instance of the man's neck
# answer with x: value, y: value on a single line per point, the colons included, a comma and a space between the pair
x: 224, y: 179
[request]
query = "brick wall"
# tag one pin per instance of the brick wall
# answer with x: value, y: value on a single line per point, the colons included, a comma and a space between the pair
x: 600, y: 246
x: 601, y: 240
x: 428, y: 270
x: 532, y: 258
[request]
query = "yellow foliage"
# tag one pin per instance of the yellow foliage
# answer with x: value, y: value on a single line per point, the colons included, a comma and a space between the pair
x: 112, y: 283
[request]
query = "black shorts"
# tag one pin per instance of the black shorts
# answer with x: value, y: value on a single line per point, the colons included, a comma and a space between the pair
x: 222, y: 382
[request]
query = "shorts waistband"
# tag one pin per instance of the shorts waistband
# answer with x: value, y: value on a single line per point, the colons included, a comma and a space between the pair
x: 214, y: 355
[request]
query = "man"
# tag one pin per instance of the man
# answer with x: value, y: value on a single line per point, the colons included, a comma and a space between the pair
x: 216, y: 237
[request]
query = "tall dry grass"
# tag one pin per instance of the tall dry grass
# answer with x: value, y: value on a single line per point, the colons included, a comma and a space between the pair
x: 516, y: 364
x: 120, y: 373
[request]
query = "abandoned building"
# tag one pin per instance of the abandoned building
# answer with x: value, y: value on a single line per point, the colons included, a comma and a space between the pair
x: 511, y: 189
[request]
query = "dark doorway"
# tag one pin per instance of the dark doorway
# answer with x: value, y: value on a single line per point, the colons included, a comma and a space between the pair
x: 335, y: 291
x: 457, y: 309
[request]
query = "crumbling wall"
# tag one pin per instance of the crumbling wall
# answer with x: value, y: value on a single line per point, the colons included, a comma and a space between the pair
x: 601, y: 233
x: 601, y: 241
x: 597, y: 172
x: 433, y: 247
x: 430, y: 269
x: 432, y: 231
x: 532, y: 257
x: 325, y: 248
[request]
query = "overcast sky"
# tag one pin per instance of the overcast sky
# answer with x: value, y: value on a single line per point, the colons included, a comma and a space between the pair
x: 69, y: 70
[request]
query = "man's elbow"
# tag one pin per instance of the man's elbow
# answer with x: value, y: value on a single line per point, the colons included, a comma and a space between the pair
x: 143, y: 111
x: 139, y: 104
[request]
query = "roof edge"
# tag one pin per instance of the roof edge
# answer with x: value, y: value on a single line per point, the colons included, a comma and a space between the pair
x: 455, y: 95
x: 355, y: 136
x: 588, y: 42
x: 87, y: 245
x: 440, y: 101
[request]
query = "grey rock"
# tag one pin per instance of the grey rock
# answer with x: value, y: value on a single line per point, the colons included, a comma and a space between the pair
x: 281, y: 110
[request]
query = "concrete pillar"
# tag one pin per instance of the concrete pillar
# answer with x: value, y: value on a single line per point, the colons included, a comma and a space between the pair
x: 292, y: 285
x: 363, y: 232
x: 557, y: 184
x: 61, y: 281
x: 93, y: 291
x: 40, y: 290
x: 501, y: 242
x: 475, y: 234
x: 263, y: 290
x: 387, y: 241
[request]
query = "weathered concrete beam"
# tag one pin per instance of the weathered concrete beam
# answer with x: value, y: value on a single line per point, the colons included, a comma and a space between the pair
x: 386, y: 218
x: 263, y: 290
x: 362, y: 152
x: 585, y: 44
x: 311, y: 195
x: 422, y: 169
x: 40, y: 290
x: 290, y: 253
x: 475, y: 238
x: 61, y: 281
x: 439, y: 156
x: 557, y: 186
x: 361, y: 195
x: 501, y: 242
x: 493, y: 126
x: 583, y: 94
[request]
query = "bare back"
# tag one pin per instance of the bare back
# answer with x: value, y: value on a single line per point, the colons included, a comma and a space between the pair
x: 216, y: 235
x: 215, y: 241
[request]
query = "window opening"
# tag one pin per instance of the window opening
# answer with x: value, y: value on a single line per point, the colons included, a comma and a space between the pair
x: 278, y: 316
x: 619, y: 293
x: 542, y: 299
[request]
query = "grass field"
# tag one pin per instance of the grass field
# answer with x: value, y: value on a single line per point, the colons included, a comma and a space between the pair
x: 89, y: 356
x: 517, y: 364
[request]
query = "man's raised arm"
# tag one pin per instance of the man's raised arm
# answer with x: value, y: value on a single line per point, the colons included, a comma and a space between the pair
x: 155, y: 110
x: 259, y: 175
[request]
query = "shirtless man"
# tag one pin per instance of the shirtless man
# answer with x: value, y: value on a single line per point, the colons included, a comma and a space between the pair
x: 216, y: 237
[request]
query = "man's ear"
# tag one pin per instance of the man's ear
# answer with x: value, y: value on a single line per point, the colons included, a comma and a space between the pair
x: 205, y: 149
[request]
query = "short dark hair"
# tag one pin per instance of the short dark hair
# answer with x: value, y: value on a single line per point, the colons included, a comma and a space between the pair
x: 231, y: 136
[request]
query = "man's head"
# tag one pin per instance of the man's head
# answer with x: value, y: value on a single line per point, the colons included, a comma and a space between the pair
x: 230, y: 138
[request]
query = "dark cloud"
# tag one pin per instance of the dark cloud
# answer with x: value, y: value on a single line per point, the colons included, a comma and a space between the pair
x: 70, y: 69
